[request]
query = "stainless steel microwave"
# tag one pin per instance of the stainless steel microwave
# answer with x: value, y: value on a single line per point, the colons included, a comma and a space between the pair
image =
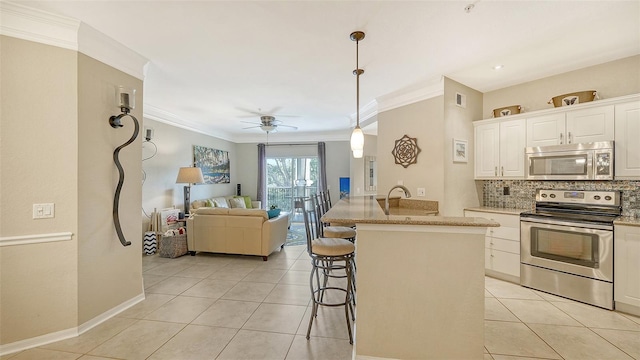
x: 584, y: 161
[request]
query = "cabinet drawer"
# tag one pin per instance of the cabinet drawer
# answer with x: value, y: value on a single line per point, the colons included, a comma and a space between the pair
x: 504, y: 262
x: 502, y: 245
x: 508, y: 233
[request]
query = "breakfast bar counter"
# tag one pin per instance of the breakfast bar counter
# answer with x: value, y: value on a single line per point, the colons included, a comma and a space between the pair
x: 420, y: 281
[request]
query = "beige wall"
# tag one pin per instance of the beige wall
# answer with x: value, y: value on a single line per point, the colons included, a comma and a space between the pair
x: 108, y: 273
x: 57, y: 148
x: 459, y: 187
x: 38, y: 135
x: 612, y: 79
x: 175, y: 150
x: 423, y: 120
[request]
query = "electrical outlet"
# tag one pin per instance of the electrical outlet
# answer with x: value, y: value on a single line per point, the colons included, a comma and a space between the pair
x: 505, y: 191
x: 43, y: 211
x: 421, y: 192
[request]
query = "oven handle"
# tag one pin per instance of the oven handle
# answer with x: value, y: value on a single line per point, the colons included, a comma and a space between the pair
x: 566, y: 223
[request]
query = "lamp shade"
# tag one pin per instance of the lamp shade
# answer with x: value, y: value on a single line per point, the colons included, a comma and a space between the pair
x: 357, y: 142
x: 190, y: 175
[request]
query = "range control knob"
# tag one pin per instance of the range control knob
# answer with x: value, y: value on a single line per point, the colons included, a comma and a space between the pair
x: 553, y: 196
x: 544, y: 195
x: 608, y: 198
x: 597, y: 197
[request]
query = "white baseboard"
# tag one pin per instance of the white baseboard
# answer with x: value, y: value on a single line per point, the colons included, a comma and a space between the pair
x: 69, y: 333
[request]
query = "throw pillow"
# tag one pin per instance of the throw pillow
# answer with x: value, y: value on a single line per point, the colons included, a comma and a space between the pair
x: 220, y: 202
x: 210, y: 203
x: 237, y: 203
x: 273, y: 213
x: 247, y: 201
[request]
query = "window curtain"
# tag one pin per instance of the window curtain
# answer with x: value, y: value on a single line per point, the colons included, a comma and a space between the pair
x: 322, y: 165
x: 262, y: 175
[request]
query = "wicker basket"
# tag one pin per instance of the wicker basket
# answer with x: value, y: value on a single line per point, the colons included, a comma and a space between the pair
x: 173, y: 246
x: 507, y: 110
x: 573, y: 98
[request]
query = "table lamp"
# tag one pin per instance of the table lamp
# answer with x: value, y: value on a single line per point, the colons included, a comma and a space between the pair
x: 189, y: 175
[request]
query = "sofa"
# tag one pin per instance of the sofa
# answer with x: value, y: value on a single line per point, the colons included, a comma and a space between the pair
x: 236, y: 231
x: 225, y: 202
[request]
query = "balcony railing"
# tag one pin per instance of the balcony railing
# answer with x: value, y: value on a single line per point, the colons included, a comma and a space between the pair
x: 282, y: 197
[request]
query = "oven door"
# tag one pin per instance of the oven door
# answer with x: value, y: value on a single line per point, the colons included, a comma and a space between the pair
x: 567, y: 247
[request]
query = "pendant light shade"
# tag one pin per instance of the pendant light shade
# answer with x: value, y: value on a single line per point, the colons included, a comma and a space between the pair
x: 357, y: 142
x: 357, y: 136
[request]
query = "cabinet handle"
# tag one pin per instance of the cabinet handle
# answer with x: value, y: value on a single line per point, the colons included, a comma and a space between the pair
x: 501, y: 170
x: 495, y: 171
x: 569, y: 138
x: 560, y: 138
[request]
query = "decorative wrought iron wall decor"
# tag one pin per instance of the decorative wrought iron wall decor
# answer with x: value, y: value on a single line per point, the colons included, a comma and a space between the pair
x: 406, y: 151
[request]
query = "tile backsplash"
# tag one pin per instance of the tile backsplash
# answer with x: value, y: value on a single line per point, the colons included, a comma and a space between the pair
x: 522, y: 193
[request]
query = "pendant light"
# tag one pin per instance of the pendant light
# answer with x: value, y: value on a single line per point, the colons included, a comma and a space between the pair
x: 357, y: 136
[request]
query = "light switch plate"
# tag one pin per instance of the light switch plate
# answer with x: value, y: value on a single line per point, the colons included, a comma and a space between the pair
x: 43, y: 211
x: 421, y: 192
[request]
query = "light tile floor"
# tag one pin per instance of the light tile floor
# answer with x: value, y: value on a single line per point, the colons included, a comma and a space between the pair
x: 239, y: 307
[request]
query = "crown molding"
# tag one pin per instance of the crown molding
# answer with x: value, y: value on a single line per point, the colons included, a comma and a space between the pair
x: 159, y: 115
x: 26, y: 23
x: 39, y: 26
x: 410, y: 95
x: 99, y: 46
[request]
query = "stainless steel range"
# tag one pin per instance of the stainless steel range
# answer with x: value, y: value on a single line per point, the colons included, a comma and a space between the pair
x: 567, y: 245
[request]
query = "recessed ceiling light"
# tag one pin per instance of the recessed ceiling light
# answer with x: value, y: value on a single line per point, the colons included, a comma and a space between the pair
x: 498, y: 67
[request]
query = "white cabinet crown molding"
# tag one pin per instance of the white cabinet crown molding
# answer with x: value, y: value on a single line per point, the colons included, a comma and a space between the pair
x: 587, y: 105
x: 39, y: 26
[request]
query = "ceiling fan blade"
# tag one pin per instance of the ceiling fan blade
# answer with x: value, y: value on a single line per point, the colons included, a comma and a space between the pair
x: 250, y: 122
x: 288, y: 126
x: 252, y: 127
x: 286, y: 116
x: 255, y: 113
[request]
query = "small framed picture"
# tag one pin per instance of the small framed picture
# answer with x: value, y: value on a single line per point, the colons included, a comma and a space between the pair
x: 460, y: 151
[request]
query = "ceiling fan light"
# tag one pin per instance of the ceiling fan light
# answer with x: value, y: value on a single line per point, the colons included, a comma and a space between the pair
x: 268, y: 128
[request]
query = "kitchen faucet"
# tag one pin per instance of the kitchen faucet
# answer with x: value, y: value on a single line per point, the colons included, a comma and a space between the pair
x: 407, y: 193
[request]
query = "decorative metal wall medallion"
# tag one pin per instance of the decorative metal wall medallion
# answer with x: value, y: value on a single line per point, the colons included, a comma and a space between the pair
x: 406, y: 151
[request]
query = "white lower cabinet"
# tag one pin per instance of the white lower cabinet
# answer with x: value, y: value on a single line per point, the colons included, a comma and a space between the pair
x: 502, y: 245
x: 626, y: 284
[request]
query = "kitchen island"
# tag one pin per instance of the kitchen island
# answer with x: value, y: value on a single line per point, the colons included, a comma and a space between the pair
x: 420, y: 282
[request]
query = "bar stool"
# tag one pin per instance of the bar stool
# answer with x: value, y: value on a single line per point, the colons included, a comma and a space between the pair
x: 330, y: 258
x: 330, y: 231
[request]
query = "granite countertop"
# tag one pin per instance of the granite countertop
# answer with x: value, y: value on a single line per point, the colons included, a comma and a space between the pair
x: 366, y: 210
x: 498, y: 210
x: 629, y: 221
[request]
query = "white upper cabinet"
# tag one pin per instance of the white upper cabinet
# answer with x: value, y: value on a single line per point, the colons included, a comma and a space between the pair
x: 546, y: 130
x: 571, y: 127
x: 627, y: 152
x: 499, y: 149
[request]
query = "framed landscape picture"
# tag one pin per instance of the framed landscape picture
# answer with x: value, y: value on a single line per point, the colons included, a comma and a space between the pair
x: 213, y: 163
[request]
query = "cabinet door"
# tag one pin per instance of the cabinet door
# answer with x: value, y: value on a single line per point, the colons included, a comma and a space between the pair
x: 487, y: 150
x: 627, y: 133
x: 546, y: 130
x: 512, y: 141
x: 627, y: 264
x: 590, y: 125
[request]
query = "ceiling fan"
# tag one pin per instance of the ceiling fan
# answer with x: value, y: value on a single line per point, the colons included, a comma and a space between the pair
x: 268, y: 124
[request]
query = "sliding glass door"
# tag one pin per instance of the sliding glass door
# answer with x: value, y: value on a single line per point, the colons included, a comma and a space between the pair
x: 288, y: 178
